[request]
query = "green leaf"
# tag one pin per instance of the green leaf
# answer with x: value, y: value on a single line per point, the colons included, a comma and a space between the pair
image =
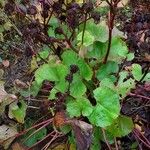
x: 130, y: 56
x: 77, y: 89
x: 118, y: 50
x: 53, y: 24
x: 107, y: 108
x: 52, y: 94
x: 78, y: 107
x: 65, y: 129
x: 85, y: 70
x: 62, y: 85
x: 122, y: 126
x: 18, y: 111
x: 69, y: 57
x: 96, y: 139
x: 35, y: 137
x: 99, y: 31
x: 108, y: 135
x: 97, y: 50
x: 106, y: 69
x: 34, y: 88
x: 50, y: 72
x: 46, y: 72
x: 147, y: 77
x: 87, y: 40
x: 44, y: 54
x: 107, y: 82
x: 124, y: 87
x: 136, y: 71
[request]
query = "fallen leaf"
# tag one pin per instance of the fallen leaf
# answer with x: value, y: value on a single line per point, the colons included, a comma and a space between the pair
x: 20, y: 84
x: 5, y: 98
x: 17, y: 146
x: 5, y: 133
x: 83, y: 134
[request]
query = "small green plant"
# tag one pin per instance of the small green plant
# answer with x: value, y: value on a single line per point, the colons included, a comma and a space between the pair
x: 91, y: 74
x: 83, y: 60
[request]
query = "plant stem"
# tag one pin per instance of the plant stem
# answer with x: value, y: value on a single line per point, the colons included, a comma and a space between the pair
x: 116, y: 146
x: 84, y: 29
x: 111, y: 18
x: 109, y: 45
x: 140, y: 96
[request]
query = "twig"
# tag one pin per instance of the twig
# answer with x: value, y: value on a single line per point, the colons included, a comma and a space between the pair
x: 49, y: 143
x: 116, y: 146
x: 136, y: 134
x: 140, y: 96
x: 47, y: 136
x: 27, y: 130
x: 104, y: 135
x: 49, y: 17
x: 36, y: 132
x: 143, y: 136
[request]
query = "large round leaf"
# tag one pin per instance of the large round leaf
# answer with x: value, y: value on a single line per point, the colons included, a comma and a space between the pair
x: 50, y: 72
x: 107, y: 108
x: 99, y: 31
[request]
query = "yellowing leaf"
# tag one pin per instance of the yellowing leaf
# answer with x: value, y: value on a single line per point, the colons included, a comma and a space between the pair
x: 18, y: 111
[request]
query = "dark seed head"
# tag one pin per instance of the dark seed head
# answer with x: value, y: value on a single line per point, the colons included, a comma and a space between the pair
x: 96, y: 17
x: 74, y: 68
x: 87, y: 7
x: 58, y: 94
x: 58, y: 30
x: 69, y: 78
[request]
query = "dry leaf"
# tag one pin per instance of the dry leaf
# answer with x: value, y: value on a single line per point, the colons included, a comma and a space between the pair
x: 20, y: 84
x: 5, y: 133
x: 83, y: 134
x: 17, y: 146
x: 5, y: 98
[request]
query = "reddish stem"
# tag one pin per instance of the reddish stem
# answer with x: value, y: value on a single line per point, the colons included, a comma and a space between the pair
x: 136, y: 134
x: 47, y: 136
